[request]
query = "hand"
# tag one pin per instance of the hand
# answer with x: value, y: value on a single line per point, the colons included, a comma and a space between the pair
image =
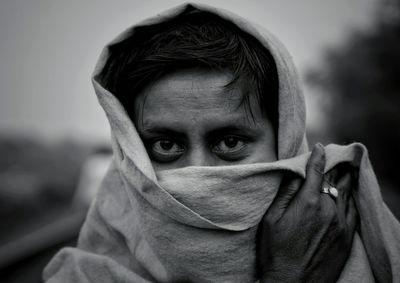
x: 306, y: 235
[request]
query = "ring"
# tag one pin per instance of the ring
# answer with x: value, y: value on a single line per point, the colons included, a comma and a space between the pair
x: 332, y: 191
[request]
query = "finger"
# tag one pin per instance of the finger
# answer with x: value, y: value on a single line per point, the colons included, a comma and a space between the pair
x: 311, y: 189
x: 333, y: 175
x: 337, y: 173
x: 289, y: 187
x: 351, y: 218
x: 344, y: 186
x: 342, y: 177
x: 347, y: 213
x: 329, y: 209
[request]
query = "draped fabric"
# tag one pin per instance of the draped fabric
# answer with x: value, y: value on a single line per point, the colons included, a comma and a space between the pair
x: 198, y: 224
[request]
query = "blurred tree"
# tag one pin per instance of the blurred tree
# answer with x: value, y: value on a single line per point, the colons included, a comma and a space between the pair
x: 361, y: 81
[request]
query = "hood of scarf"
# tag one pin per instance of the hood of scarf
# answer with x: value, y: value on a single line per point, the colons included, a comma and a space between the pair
x: 169, y: 191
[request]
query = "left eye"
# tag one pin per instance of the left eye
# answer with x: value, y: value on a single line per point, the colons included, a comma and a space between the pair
x: 229, y: 145
x: 165, y: 150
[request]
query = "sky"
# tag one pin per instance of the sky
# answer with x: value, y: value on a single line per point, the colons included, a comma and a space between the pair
x: 48, y: 49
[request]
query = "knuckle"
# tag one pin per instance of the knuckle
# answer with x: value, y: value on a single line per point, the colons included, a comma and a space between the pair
x: 318, y: 169
x: 328, y: 215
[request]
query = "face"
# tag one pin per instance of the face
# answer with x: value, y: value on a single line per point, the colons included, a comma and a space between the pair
x: 188, y: 118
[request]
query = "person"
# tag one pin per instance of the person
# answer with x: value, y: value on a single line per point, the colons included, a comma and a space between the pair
x: 211, y: 180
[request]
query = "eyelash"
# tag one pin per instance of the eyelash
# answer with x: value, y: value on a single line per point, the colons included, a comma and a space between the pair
x: 159, y: 157
x: 218, y: 140
x: 232, y: 155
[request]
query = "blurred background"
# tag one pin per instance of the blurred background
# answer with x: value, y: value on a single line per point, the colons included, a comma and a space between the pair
x: 54, y: 137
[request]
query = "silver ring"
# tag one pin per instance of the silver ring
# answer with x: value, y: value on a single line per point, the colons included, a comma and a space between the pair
x: 332, y: 191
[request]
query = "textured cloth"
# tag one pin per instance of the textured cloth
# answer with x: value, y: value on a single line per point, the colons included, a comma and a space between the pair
x: 198, y: 224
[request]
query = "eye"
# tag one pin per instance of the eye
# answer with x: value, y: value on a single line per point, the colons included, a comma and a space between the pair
x: 230, y: 148
x: 165, y: 150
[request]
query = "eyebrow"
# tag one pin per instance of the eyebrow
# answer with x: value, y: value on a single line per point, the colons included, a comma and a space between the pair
x: 218, y: 131
x: 230, y: 129
x: 163, y: 131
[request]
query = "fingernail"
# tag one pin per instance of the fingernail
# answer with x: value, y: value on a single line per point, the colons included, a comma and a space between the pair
x: 317, y: 149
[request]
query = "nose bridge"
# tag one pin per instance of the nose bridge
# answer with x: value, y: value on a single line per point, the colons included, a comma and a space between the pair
x: 198, y: 156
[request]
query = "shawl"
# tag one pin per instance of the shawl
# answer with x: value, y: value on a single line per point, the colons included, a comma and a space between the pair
x: 198, y: 224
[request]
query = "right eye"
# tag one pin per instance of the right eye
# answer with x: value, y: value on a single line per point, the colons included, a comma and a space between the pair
x: 165, y: 150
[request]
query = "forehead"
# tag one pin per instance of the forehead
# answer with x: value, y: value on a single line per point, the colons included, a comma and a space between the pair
x: 197, y: 89
x: 192, y: 96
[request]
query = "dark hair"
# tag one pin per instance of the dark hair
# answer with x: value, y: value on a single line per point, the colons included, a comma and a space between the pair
x: 192, y: 40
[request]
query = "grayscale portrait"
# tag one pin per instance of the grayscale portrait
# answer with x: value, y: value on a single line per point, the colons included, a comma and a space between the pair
x: 211, y: 175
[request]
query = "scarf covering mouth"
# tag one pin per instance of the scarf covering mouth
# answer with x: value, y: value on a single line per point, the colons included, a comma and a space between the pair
x: 198, y: 224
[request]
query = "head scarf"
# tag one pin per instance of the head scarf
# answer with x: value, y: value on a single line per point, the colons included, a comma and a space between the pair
x: 199, y: 224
